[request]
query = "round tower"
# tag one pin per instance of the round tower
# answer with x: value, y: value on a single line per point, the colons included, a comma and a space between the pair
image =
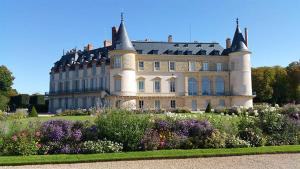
x: 240, y: 71
x: 123, y: 70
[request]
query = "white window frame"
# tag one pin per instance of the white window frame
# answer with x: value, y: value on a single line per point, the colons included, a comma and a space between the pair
x: 154, y: 86
x: 157, y: 104
x: 139, y: 85
x: 219, y: 67
x: 192, y: 68
x: 156, y: 68
x: 117, y: 62
x: 141, y: 68
x: 174, y: 68
x: 172, y: 86
x: 205, y: 66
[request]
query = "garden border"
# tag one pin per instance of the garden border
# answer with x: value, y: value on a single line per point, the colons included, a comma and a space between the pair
x: 144, y: 155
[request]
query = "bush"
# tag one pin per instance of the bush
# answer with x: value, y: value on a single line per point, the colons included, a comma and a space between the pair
x: 33, y: 112
x: 216, y: 140
x: 181, y: 111
x: 208, y: 108
x: 151, y: 140
x: 20, y: 143
x: 78, y: 112
x: 17, y: 115
x: 123, y: 127
x: 100, y: 146
x: 2, y: 116
x: 236, y: 142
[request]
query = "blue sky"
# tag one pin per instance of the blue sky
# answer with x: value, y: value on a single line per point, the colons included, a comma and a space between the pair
x: 33, y: 33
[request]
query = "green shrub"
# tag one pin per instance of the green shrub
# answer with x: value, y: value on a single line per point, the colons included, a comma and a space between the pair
x: 216, y: 140
x: 33, y: 112
x: 235, y: 142
x: 181, y: 111
x: 78, y: 112
x: 18, y: 115
x: 100, y: 146
x: 208, y: 108
x: 20, y: 143
x: 123, y: 127
x: 2, y: 116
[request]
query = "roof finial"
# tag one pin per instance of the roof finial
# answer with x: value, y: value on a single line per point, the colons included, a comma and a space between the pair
x: 122, y: 17
x: 237, y: 21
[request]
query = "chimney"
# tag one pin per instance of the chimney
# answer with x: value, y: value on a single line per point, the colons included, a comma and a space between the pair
x: 246, y: 37
x: 114, y: 32
x: 89, y: 47
x: 107, y: 43
x: 170, y: 38
x: 228, y: 43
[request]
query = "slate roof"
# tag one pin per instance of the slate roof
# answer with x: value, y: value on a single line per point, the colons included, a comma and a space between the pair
x: 238, y: 42
x: 122, y: 40
x: 177, y: 48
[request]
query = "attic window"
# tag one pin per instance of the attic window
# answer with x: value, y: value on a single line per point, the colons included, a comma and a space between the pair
x: 139, y: 51
x: 215, y: 52
x: 168, y: 52
x: 188, y: 52
x: 179, y: 52
x: 211, y: 45
x: 176, y: 45
x: 199, y: 45
x: 185, y: 45
x: 155, y: 52
x: 202, y: 52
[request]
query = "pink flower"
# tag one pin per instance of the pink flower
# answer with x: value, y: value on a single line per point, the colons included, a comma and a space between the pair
x: 38, y: 145
x: 14, y: 138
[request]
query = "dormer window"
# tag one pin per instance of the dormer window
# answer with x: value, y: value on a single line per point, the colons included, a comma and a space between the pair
x: 155, y: 52
x: 179, y: 52
x: 211, y: 45
x: 202, y: 52
x: 176, y: 45
x: 188, y: 52
x: 199, y: 45
x: 185, y: 45
x: 139, y: 51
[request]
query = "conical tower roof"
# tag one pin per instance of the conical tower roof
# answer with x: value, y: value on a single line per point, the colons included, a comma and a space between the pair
x: 122, y: 40
x: 238, y: 42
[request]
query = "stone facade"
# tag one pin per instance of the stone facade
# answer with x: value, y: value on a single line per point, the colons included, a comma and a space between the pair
x: 120, y: 76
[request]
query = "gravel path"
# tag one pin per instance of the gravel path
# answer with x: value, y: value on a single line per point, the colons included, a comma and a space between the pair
x: 274, y: 161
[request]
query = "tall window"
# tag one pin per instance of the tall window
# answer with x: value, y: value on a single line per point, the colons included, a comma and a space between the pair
x: 103, y: 68
x: 94, y: 69
x: 156, y: 66
x: 192, y: 66
x: 117, y: 63
x: 67, y: 84
x: 192, y: 87
x: 205, y: 66
x: 66, y: 103
x: 157, y: 86
x: 67, y: 74
x: 60, y: 87
x: 141, y: 104
x: 141, y: 85
x: 172, y: 85
x: 219, y: 67
x: 219, y: 86
x: 101, y: 83
x: 117, y: 85
x: 221, y: 103
x: 205, y: 86
x: 85, y: 70
x: 172, y: 66
x: 76, y: 71
x: 173, y: 104
x: 92, y: 84
x: 141, y: 65
x: 84, y: 102
x: 194, y: 105
x: 157, y: 104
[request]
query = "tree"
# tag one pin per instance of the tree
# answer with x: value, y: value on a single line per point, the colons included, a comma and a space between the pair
x: 293, y: 72
x: 6, y: 80
x: 3, y: 102
x: 208, y: 108
x: 262, y: 79
x: 33, y: 112
x: 280, y: 86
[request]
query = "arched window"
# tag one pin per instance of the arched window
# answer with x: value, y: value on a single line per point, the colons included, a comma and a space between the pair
x: 219, y: 86
x: 205, y: 86
x: 192, y: 87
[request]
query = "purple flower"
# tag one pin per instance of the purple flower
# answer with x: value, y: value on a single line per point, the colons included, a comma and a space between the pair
x: 77, y: 134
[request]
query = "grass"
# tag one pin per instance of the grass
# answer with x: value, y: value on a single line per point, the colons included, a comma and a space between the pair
x: 142, y: 155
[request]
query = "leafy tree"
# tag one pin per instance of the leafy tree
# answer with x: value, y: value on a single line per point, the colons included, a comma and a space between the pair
x: 3, y: 102
x: 293, y: 72
x: 262, y: 79
x: 6, y: 80
x: 33, y: 112
x: 280, y: 86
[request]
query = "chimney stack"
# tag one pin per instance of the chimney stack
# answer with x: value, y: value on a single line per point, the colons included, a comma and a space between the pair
x: 114, y: 32
x: 107, y: 43
x: 246, y: 36
x: 89, y: 47
x: 170, y: 38
x: 228, y: 43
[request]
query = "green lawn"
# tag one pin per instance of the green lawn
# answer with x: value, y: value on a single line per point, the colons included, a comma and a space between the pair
x: 160, y: 154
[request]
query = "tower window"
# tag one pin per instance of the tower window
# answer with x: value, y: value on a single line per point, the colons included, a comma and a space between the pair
x: 141, y: 85
x: 117, y: 63
x: 205, y: 66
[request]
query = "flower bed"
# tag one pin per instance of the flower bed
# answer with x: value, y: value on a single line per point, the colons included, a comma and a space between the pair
x: 119, y: 130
